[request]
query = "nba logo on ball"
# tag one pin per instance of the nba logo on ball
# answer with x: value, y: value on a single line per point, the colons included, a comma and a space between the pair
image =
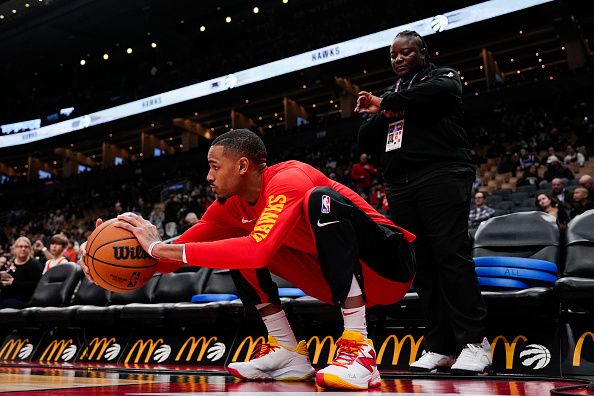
x: 325, y: 204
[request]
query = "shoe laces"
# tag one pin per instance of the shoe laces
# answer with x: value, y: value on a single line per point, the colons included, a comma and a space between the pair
x: 347, y: 352
x: 263, y: 350
x: 470, y: 351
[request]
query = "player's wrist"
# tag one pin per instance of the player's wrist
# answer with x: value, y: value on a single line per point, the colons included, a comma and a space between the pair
x: 151, y: 249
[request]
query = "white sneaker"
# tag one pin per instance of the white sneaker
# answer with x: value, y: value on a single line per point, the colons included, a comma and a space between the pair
x: 474, y: 359
x: 354, y: 366
x: 271, y: 361
x: 431, y: 361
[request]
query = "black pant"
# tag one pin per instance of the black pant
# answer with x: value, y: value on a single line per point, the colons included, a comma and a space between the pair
x: 436, y: 210
x: 343, y: 235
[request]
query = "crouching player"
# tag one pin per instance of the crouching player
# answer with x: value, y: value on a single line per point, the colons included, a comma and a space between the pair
x: 291, y: 220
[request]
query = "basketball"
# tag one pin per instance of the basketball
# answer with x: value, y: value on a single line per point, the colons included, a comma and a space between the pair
x: 115, y: 259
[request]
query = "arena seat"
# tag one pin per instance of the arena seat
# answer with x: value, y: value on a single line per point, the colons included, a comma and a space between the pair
x: 109, y: 315
x: 171, y: 289
x: 86, y: 293
x: 493, y: 200
x: 506, y: 206
x: 53, y: 292
x: 504, y: 193
x: 532, y: 235
x: 518, y: 197
x: 527, y: 234
x: 188, y: 313
x: 529, y: 188
x: 576, y: 286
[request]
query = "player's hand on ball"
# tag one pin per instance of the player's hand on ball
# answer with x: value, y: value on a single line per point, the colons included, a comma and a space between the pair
x: 143, y: 230
x: 83, y: 253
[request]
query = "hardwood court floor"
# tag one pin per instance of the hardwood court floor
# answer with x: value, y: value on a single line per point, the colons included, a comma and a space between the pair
x: 67, y: 382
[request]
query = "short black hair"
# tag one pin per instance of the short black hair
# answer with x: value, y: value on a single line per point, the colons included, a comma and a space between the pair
x: 412, y: 33
x: 482, y: 194
x: 244, y: 143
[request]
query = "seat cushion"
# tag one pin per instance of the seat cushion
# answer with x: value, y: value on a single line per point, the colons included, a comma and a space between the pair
x: 575, y: 289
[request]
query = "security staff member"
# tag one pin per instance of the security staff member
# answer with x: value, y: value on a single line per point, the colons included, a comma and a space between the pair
x: 415, y: 129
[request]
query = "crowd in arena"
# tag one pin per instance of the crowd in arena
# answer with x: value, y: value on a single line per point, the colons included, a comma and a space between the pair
x: 544, y: 152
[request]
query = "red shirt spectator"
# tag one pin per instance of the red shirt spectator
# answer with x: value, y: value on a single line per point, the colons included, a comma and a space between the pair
x: 362, y: 174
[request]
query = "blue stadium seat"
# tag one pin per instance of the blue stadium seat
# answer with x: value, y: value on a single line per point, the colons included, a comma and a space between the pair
x: 515, y: 262
x: 510, y: 239
x: 502, y: 283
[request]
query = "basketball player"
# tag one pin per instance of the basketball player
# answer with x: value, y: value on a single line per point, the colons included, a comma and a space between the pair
x: 291, y: 220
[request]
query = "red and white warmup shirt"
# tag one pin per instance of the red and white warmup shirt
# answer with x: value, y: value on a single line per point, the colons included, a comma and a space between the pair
x: 274, y: 232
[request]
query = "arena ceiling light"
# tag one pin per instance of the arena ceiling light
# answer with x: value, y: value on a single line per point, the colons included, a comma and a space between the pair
x: 425, y: 27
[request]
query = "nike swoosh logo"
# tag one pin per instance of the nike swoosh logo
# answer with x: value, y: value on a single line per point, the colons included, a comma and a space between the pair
x: 244, y: 220
x: 328, y: 223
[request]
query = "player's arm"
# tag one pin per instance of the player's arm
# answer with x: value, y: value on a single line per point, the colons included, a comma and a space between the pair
x: 214, y: 225
x: 284, y: 196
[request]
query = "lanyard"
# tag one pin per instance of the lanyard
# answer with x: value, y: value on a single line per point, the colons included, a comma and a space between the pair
x: 409, y: 83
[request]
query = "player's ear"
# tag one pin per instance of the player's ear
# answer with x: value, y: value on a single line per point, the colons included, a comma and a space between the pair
x: 244, y: 165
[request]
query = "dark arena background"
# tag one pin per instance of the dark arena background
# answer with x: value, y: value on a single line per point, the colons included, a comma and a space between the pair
x: 110, y: 106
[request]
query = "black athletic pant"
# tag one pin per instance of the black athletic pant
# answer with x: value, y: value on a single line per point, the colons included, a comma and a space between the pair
x: 436, y: 210
x: 343, y: 234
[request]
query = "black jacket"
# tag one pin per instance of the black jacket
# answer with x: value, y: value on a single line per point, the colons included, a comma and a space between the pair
x: 433, y: 139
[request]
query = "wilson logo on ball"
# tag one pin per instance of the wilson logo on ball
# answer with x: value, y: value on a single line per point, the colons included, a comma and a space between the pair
x: 129, y: 253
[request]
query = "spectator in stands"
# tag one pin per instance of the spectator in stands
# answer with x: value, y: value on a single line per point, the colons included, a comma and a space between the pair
x: 291, y: 220
x: 117, y: 210
x: 190, y: 219
x: 141, y: 207
x: 18, y: 281
x: 583, y: 151
x: 415, y: 128
x: 40, y: 251
x: 172, y: 209
x: 70, y: 253
x: 480, y: 212
x: 526, y: 159
x: 581, y: 202
x: 556, y: 170
x: 58, y: 243
x: 363, y: 174
x: 530, y: 176
x: 573, y: 157
x: 550, y: 154
x: 546, y: 203
x: 559, y: 193
x: 157, y: 217
x: 587, y: 182
x: 508, y: 163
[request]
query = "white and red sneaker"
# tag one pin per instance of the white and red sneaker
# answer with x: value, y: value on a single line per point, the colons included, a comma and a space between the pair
x: 273, y: 362
x: 354, y: 366
x: 474, y: 359
x: 432, y: 361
